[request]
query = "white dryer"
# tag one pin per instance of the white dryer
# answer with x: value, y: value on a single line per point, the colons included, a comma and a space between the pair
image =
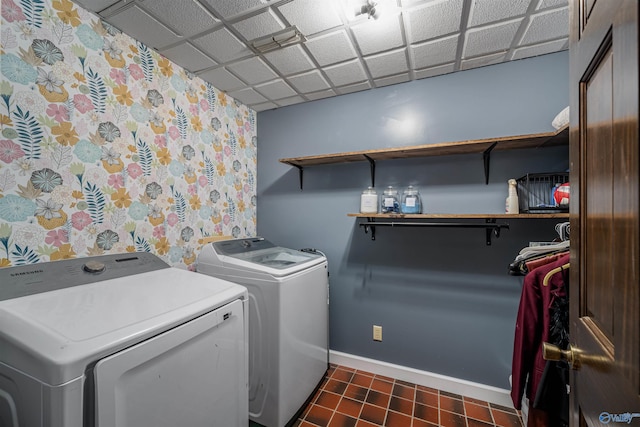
x: 288, y: 321
x: 121, y: 340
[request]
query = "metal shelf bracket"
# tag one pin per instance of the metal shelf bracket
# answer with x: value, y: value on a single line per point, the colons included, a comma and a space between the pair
x: 370, y: 226
x: 492, y: 230
x: 300, y: 174
x: 486, y: 157
x: 372, y: 164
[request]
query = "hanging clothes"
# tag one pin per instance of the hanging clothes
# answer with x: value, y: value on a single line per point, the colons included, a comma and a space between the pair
x: 538, y: 314
x: 552, y: 396
x: 539, y: 262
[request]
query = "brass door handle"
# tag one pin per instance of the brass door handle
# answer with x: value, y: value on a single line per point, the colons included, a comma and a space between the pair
x: 573, y: 356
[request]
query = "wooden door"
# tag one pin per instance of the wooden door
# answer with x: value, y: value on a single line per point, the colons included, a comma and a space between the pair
x: 605, y: 232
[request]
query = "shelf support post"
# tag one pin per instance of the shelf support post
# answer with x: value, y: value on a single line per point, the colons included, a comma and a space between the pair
x: 486, y: 157
x: 372, y: 164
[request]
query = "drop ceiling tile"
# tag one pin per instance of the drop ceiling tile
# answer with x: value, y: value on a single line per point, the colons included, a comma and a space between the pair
x: 346, y: 73
x: 539, y: 49
x: 277, y: 89
x: 387, y: 81
x: 290, y: 60
x: 95, y: 6
x: 309, y: 82
x: 545, y: 4
x: 222, y: 79
x: 433, y: 20
x: 110, y: 7
x: 188, y: 57
x: 435, y: 52
x: 435, y: 71
x: 290, y: 101
x: 485, y: 11
x: 259, y: 25
x: 222, y: 46
x: 387, y: 64
x: 231, y: 8
x: 138, y: 24
x: 320, y: 95
x: 491, y: 38
x: 481, y: 61
x: 264, y: 106
x: 248, y: 96
x: 549, y: 25
x: 188, y: 17
x: 331, y: 48
x: 252, y: 71
x: 353, y: 88
x: 311, y: 16
x: 377, y: 36
x: 409, y: 3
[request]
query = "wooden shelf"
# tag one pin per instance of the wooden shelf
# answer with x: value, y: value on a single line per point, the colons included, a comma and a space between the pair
x: 462, y: 216
x: 484, y: 146
x: 547, y: 139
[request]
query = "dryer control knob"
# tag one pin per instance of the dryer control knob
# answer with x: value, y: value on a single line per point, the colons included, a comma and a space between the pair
x: 94, y: 267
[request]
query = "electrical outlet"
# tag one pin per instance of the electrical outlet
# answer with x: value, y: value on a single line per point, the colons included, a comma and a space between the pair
x: 377, y: 333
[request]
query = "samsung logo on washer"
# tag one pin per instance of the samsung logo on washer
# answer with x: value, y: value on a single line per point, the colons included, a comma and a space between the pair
x: 24, y: 273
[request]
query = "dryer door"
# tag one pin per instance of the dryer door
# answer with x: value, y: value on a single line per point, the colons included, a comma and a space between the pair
x: 192, y: 375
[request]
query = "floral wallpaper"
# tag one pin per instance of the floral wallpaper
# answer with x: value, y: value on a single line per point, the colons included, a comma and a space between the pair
x: 107, y: 147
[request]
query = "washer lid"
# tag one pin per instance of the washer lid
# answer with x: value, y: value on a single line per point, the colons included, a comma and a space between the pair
x: 258, y: 254
x: 55, y: 335
x: 278, y: 257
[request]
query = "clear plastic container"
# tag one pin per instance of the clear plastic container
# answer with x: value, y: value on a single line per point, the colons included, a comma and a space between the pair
x: 369, y: 201
x: 390, y: 202
x: 411, y: 203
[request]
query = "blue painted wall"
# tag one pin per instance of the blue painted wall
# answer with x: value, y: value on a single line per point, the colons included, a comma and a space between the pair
x: 443, y: 298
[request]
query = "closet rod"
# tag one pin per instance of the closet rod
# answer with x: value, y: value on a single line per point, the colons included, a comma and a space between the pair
x: 436, y: 224
x: 490, y: 226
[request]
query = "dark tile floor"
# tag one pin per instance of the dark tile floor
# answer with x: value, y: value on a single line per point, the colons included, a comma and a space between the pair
x: 353, y: 398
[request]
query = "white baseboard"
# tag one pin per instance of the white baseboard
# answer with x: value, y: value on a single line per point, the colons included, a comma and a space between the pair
x: 428, y: 379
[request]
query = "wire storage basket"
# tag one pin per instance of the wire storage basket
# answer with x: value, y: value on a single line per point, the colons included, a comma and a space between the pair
x: 535, y: 192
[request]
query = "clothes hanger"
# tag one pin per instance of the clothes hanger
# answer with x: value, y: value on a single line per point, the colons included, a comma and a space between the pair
x: 531, y: 251
x: 545, y: 281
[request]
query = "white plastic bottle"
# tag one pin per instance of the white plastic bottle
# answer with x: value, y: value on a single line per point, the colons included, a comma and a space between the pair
x: 511, y: 205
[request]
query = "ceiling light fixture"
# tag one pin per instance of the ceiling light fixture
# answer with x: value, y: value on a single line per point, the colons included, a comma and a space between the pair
x: 287, y: 37
x: 369, y: 9
x: 358, y: 9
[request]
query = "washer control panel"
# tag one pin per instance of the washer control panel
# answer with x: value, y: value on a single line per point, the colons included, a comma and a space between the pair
x: 238, y: 246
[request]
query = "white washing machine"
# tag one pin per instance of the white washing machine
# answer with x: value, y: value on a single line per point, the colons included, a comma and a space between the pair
x: 121, y: 340
x: 288, y: 321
